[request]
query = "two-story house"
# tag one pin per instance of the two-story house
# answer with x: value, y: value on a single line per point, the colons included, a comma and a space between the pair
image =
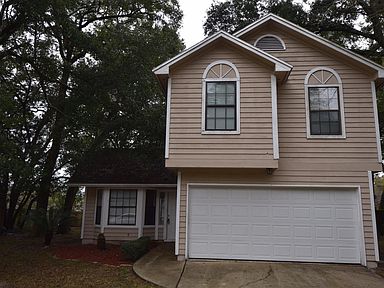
x: 273, y: 133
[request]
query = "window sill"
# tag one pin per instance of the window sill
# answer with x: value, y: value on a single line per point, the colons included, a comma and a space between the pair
x: 220, y: 132
x: 122, y: 226
x: 326, y: 137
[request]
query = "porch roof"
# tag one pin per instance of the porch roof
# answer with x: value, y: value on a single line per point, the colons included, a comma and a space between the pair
x: 116, y: 167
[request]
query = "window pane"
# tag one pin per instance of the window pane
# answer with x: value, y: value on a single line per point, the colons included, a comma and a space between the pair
x: 220, y: 112
x: 230, y: 112
x: 220, y: 88
x: 231, y: 88
x: 324, y: 128
x: 230, y: 124
x: 324, y: 116
x: 220, y: 124
x: 210, y: 124
x: 323, y: 99
x: 315, y: 128
x: 335, y: 128
x: 220, y: 99
x: 211, y: 88
x: 334, y: 115
x: 315, y: 116
x: 99, y: 200
x: 210, y: 112
x: 314, y: 99
x: 150, y: 207
x: 230, y: 99
x: 211, y: 99
x: 333, y: 99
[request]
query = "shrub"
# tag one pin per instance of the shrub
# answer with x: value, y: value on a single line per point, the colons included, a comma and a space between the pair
x: 134, y: 249
x: 101, y: 245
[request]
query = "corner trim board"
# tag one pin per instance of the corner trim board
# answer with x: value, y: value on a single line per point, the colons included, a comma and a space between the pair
x: 373, y: 215
x: 376, y: 115
x: 275, y: 129
x: 168, y: 120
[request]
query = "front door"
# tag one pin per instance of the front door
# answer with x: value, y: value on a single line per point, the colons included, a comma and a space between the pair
x: 171, y: 216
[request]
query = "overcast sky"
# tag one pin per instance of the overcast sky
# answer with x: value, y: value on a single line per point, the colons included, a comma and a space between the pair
x: 195, y: 12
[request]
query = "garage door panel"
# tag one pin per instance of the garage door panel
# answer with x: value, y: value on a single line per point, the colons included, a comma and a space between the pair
x: 274, y: 224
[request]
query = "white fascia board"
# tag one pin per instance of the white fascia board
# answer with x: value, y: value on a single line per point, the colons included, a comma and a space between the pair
x: 313, y: 36
x: 163, y: 69
x: 109, y: 185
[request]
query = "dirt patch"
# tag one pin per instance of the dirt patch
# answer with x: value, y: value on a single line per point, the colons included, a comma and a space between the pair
x: 89, y: 253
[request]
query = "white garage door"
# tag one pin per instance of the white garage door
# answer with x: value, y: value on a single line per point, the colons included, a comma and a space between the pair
x: 285, y: 224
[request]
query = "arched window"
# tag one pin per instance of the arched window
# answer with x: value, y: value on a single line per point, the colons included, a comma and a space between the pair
x: 324, y: 103
x: 221, y: 98
x: 270, y: 43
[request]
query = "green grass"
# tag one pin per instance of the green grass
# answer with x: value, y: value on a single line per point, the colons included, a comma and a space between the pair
x: 25, y: 263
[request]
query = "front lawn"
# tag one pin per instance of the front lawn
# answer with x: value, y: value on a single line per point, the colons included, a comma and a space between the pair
x: 25, y: 263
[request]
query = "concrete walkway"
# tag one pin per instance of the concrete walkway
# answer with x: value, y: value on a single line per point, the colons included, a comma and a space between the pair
x: 159, y: 266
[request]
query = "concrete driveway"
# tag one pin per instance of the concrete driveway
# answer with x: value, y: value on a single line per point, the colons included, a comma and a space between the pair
x: 159, y: 266
x: 270, y: 274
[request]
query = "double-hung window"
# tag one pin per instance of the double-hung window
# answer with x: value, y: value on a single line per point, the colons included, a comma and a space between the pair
x: 221, y: 99
x: 122, y: 207
x: 220, y: 106
x: 325, y: 111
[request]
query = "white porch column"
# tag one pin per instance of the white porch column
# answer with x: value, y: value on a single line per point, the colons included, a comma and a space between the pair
x: 178, y: 193
x: 140, y: 213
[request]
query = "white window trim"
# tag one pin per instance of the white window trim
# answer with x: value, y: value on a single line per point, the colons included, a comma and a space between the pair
x: 271, y: 35
x: 341, y: 103
x: 204, y: 82
x: 139, y: 199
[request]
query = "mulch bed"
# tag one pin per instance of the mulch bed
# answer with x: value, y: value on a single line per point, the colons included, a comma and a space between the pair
x: 89, y: 253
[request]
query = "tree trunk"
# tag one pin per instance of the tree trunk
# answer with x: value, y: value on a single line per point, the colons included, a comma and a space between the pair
x: 4, y: 182
x: 29, y: 208
x: 57, y: 139
x: 13, y: 198
x: 64, y: 226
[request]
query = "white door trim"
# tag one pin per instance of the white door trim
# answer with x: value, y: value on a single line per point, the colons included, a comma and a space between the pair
x: 178, y: 193
x: 355, y: 187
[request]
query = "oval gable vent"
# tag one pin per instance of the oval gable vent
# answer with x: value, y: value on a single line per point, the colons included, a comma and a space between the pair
x: 270, y: 43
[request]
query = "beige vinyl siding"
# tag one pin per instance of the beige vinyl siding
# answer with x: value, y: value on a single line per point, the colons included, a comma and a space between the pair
x: 151, y: 232
x: 90, y: 229
x: 117, y: 234
x: 112, y: 234
x: 302, y: 161
x: 188, y: 147
x: 360, y: 144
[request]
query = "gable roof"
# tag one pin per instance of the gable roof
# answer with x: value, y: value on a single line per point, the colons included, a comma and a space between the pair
x: 280, y: 65
x: 312, y: 36
x: 123, y: 167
